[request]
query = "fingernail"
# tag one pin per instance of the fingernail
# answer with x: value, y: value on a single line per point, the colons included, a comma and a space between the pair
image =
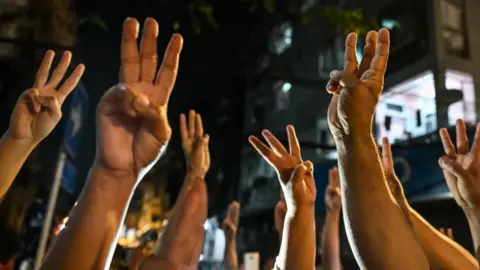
x: 333, y: 73
x: 266, y: 132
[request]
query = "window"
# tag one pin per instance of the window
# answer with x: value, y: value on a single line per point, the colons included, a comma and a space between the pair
x: 465, y: 108
x: 281, y: 38
x: 407, y: 109
x: 282, y: 92
x: 454, y: 30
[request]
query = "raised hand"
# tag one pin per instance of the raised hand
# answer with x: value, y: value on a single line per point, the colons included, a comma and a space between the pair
x: 38, y: 109
x: 357, y: 89
x: 132, y: 123
x: 190, y: 132
x: 333, y: 195
x: 461, y: 167
x: 230, y: 224
x: 276, y: 155
x: 284, y: 162
x: 182, y: 241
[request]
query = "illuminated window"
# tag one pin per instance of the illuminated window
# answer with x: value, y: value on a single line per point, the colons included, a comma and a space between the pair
x: 465, y: 108
x: 454, y: 30
x: 281, y: 38
x: 406, y: 109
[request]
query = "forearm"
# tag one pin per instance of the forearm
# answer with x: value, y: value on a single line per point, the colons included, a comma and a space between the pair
x: 441, y: 251
x: 297, y: 250
x: 89, y: 237
x: 330, y: 246
x: 13, y: 154
x: 378, y: 232
x: 230, y: 259
x: 473, y: 218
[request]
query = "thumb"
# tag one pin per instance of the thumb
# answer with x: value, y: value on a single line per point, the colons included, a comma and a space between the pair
x: 51, y: 104
x: 345, y: 79
x: 456, y: 169
x: 309, y: 166
x: 298, y: 174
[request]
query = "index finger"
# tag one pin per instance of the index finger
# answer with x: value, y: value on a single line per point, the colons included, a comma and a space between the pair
x: 387, y: 152
x: 130, y: 67
x: 44, y: 69
x: 183, y: 127
x: 350, y: 64
x: 262, y: 149
x: 476, y: 142
x: 447, y: 143
x: 168, y: 70
x: 380, y: 60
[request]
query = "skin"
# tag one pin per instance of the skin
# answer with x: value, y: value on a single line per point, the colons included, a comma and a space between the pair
x: 390, y: 244
x: 297, y: 250
x: 441, y: 250
x: 182, y: 241
x: 330, y: 245
x: 460, y: 168
x: 230, y: 226
x: 36, y: 114
x: 132, y: 133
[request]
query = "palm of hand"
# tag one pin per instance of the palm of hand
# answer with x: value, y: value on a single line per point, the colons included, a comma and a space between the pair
x: 37, y: 111
x: 132, y: 118
x: 469, y: 194
x: 332, y: 199
x: 28, y: 123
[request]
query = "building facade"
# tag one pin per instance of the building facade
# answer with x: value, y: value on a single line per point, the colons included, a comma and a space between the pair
x: 431, y: 81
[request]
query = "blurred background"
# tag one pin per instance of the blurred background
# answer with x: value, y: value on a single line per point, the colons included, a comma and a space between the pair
x: 246, y: 65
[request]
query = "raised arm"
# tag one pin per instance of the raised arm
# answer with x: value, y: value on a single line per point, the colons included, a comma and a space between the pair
x: 379, y: 234
x: 442, y: 252
x: 230, y: 226
x: 461, y: 169
x: 297, y: 250
x: 132, y: 133
x: 182, y: 241
x: 37, y: 112
x: 330, y: 246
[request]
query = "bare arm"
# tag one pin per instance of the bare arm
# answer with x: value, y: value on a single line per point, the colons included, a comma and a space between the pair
x: 37, y: 112
x: 13, y: 154
x: 331, y: 242
x: 93, y: 223
x: 377, y: 229
x: 378, y: 232
x: 442, y: 252
x: 297, y: 250
x: 230, y: 227
x: 330, y: 246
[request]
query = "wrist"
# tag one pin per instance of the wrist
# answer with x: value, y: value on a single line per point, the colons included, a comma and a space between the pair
x: 24, y: 144
x: 111, y: 179
x: 332, y: 214
x: 300, y: 212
